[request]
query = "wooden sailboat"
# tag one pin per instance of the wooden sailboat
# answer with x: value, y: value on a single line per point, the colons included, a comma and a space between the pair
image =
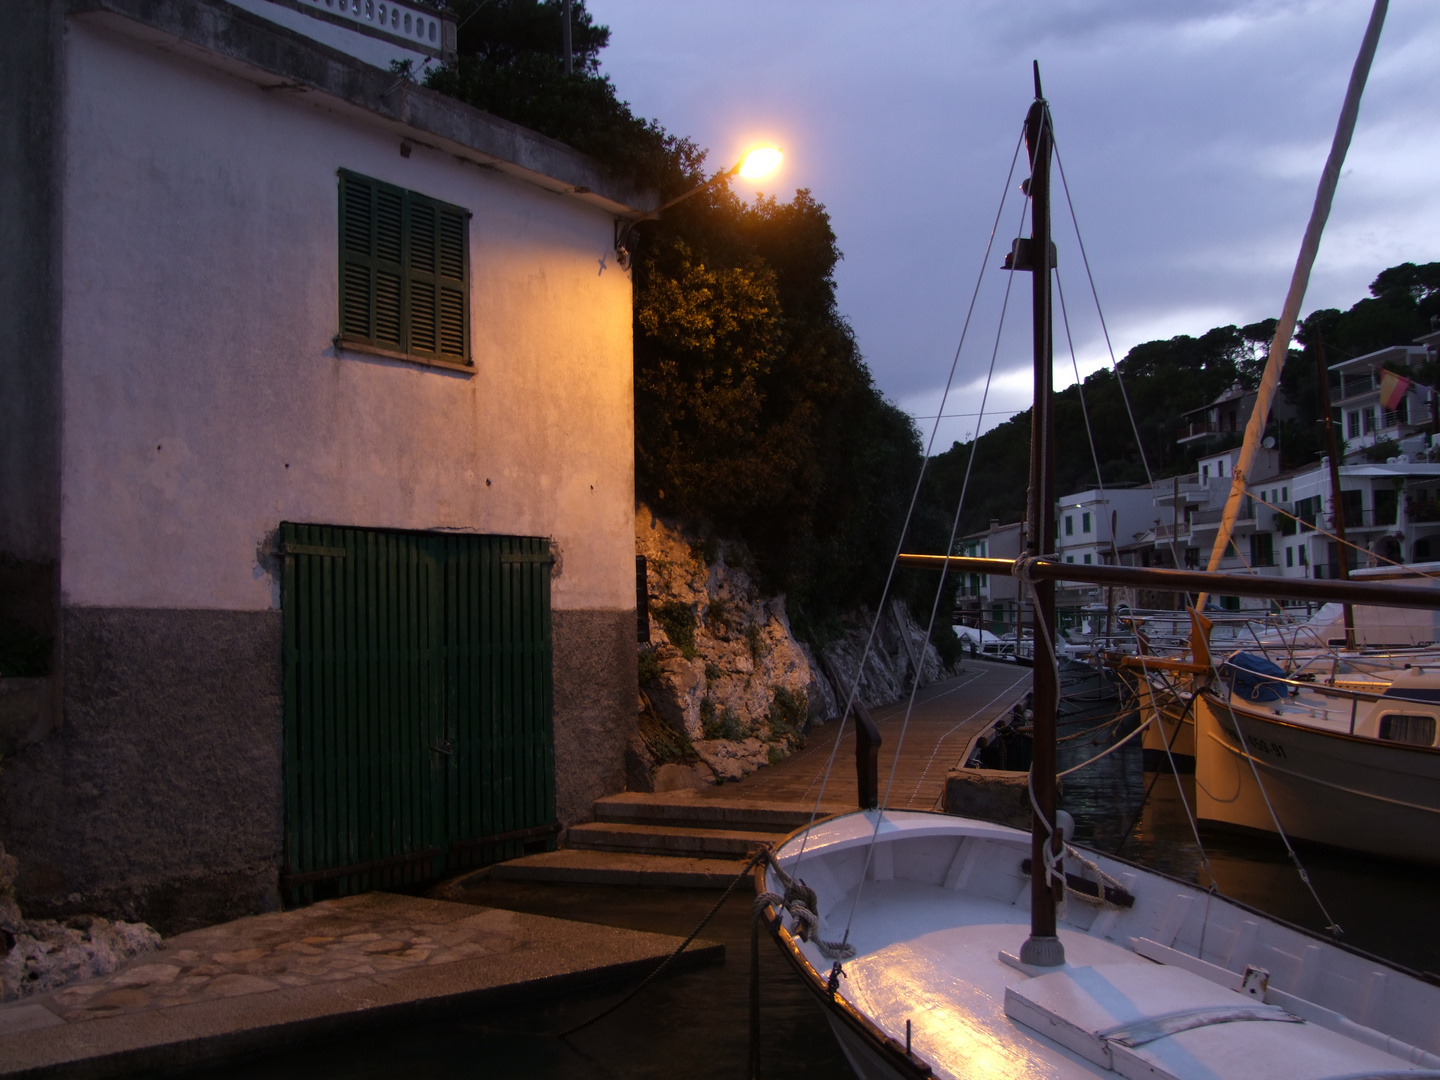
x: 950, y: 947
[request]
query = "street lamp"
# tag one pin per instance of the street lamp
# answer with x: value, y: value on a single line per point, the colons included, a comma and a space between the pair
x: 755, y: 164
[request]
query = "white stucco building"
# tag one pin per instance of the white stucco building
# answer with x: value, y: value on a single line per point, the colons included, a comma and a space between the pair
x: 316, y: 460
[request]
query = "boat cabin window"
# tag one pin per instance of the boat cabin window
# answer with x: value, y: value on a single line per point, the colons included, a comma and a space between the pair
x: 1409, y: 729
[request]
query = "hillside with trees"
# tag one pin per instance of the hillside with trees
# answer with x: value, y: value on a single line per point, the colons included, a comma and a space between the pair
x: 756, y: 416
x: 1164, y: 379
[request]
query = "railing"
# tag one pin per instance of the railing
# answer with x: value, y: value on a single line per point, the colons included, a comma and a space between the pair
x: 1393, y: 418
x: 1353, y: 385
x: 1210, y: 427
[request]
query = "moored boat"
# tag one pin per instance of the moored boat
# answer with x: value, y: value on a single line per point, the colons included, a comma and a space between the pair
x: 1353, y: 765
x: 1161, y: 978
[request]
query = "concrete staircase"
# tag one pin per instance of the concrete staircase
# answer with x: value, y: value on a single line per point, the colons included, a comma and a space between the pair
x: 670, y: 839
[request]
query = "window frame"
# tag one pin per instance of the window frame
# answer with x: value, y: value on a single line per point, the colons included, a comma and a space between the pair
x: 413, y: 307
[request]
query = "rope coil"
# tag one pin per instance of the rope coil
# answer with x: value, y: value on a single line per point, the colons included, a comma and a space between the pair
x: 801, y: 901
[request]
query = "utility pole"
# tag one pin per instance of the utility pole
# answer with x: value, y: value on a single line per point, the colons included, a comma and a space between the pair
x: 565, y: 40
x: 1323, y: 374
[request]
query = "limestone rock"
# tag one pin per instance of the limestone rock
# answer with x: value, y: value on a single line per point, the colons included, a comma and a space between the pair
x: 725, y: 669
x: 673, y: 776
x: 47, y: 954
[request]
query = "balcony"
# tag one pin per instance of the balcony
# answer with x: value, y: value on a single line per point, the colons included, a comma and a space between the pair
x: 1353, y: 385
x: 1201, y: 429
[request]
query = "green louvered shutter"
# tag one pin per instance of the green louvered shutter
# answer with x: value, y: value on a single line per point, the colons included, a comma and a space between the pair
x: 404, y: 271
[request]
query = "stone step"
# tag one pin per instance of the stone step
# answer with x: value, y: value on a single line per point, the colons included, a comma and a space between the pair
x: 666, y: 839
x: 578, y: 867
x: 684, y: 809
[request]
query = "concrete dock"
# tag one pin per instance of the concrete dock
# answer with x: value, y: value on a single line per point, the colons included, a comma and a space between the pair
x: 262, y: 983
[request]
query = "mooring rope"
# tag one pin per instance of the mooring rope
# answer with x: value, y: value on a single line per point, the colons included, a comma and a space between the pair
x: 750, y: 864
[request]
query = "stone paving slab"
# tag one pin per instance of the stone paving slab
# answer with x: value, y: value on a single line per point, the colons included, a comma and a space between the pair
x: 267, y: 981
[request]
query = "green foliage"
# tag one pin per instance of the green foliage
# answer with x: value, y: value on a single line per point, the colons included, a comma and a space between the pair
x: 510, y: 64
x: 712, y: 671
x: 724, y: 726
x: 717, y: 614
x: 789, y: 712
x: 678, y: 622
x: 1381, y: 450
x: 23, y: 654
x: 665, y: 744
x: 649, y: 667
x: 946, y: 641
x: 755, y: 639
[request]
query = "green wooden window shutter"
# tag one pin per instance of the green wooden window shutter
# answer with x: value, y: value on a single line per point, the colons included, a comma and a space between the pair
x: 404, y: 271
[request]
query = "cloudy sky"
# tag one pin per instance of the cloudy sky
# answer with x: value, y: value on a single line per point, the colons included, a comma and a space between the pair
x: 1192, y: 133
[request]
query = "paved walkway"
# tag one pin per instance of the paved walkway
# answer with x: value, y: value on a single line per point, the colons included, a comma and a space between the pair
x: 946, y: 715
x: 259, y: 982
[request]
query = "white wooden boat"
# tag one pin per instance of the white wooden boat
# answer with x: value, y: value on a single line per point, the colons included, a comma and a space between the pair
x: 1160, y: 981
x: 1355, y: 765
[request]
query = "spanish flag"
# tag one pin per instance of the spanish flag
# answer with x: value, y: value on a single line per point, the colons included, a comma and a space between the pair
x: 1392, y: 389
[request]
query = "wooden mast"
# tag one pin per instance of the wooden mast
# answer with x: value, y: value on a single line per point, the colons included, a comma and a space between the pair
x: 1043, y: 947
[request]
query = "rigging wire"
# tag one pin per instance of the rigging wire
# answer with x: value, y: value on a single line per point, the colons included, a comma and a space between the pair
x: 914, y: 498
x: 1105, y: 329
x: 1084, y: 410
x: 1330, y: 923
x: 950, y: 545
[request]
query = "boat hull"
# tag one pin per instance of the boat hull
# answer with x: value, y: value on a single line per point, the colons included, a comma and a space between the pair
x: 1171, y: 736
x: 1326, y: 787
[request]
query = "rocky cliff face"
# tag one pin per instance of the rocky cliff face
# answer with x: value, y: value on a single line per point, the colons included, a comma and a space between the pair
x: 726, y: 688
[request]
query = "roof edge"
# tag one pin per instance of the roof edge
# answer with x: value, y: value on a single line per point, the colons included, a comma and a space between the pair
x: 277, y: 58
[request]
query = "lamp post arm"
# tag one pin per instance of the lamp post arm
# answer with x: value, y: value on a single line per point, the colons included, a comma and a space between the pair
x: 624, y: 226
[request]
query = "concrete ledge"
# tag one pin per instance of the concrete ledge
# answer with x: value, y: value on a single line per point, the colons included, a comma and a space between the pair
x: 650, y: 839
x: 691, y: 809
x: 530, y: 957
x: 573, y: 867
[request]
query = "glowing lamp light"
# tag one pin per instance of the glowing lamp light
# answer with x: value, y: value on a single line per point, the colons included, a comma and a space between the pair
x: 760, y: 162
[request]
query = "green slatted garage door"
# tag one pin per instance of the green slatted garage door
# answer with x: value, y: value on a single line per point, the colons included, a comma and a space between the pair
x: 418, y: 734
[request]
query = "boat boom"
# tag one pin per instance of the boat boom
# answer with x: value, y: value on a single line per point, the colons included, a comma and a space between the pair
x: 1188, y: 581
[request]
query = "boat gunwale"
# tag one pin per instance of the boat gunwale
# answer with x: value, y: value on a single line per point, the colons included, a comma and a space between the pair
x: 1248, y: 708
x: 908, y: 1065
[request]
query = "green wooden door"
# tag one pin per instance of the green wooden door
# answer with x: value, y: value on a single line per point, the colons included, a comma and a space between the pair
x: 418, y: 734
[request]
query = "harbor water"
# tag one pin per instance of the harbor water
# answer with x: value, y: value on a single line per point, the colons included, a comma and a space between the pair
x: 695, y: 1024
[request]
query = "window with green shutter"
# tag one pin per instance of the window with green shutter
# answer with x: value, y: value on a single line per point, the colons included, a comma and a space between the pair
x: 404, y: 272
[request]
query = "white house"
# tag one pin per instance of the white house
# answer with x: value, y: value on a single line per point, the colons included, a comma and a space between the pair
x: 316, y: 460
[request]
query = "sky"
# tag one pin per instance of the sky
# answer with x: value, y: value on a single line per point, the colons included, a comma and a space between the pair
x: 1191, y: 132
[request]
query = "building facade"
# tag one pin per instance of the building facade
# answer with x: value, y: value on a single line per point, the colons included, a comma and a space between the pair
x: 317, y: 466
